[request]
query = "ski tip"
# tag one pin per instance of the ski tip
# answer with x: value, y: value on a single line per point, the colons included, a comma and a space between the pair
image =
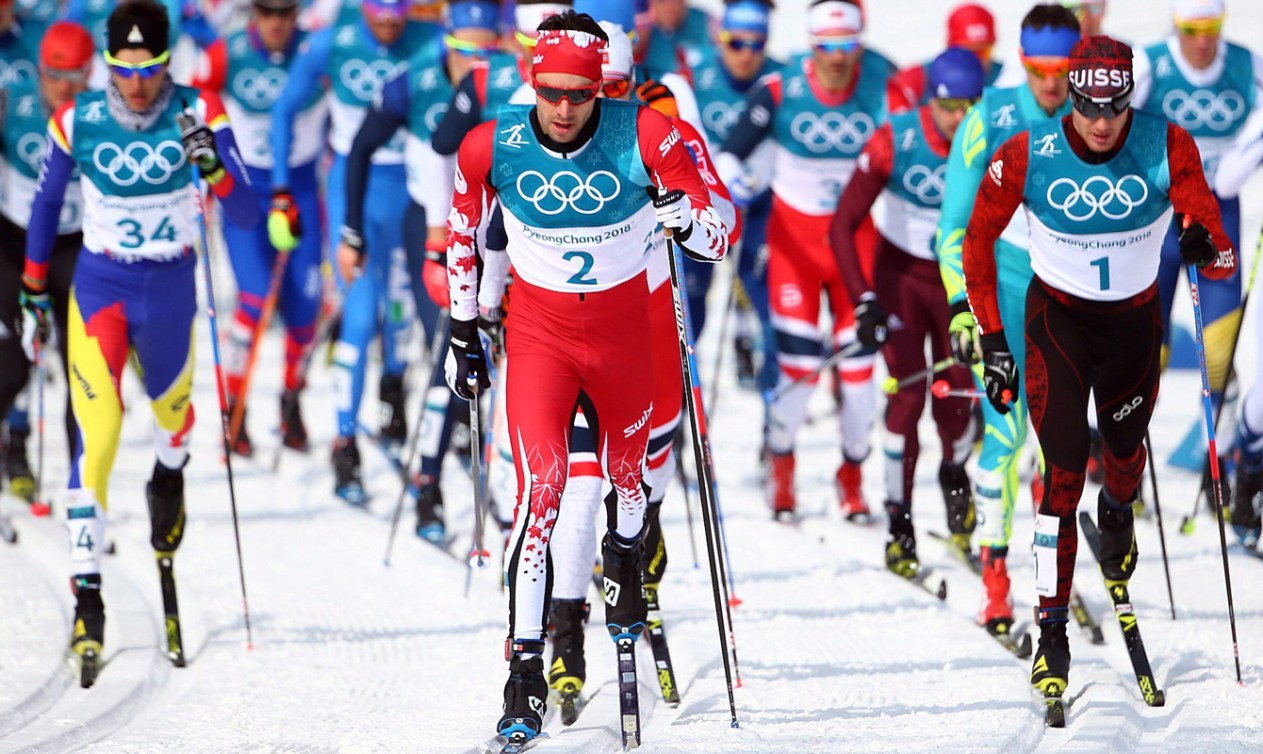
x: 1159, y: 699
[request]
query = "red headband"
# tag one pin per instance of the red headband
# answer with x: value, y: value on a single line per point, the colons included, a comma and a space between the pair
x: 576, y: 52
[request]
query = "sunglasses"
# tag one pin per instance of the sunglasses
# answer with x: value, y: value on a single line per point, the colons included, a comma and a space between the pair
x: 1046, y: 66
x: 1196, y: 26
x: 739, y: 44
x: 1082, y: 9
x: 1093, y: 109
x: 556, y: 94
x: 471, y: 49
x: 955, y: 104
x: 60, y: 74
x: 836, y: 44
x: 145, y: 70
x: 616, y: 88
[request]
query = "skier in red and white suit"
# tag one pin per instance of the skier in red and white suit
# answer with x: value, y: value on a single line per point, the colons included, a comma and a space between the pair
x: 580, y: 302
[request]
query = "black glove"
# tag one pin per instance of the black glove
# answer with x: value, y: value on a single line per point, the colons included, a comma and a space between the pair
x: 491, y: 327
x: 871, y: 322
x: 199, y: 145
x: 1196, y: 245
x: 470, y: 359
x: 999, y: 371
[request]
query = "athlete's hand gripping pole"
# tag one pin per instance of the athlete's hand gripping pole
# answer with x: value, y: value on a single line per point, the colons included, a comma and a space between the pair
x: 187, y: 123
x: 890, y: 385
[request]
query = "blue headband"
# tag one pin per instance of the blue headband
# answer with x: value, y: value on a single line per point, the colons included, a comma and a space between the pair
x: 1048, y: 41
x: 472, y: 14
x: 747, y: 16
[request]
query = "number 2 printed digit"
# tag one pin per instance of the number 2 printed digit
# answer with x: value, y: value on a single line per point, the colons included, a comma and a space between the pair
x: 585, y: 266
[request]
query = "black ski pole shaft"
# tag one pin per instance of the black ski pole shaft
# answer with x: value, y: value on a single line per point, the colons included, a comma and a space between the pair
x: 701, y: 456
x: 1162, y: 536
x: 436, y: 363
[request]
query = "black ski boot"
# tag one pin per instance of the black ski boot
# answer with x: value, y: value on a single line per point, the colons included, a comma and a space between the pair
x: 1208, y: 489
x: 1246, y: 503
x: 165, y: 493
x: 568, y: 670
x: 241, y: 444
x: 88, y: 634
x: 958, y: 494
x: 430, y: 526
x: 293, y: 431
x: 16, y: 467
x: 394, y: 425
x: 346, y: 470
x: 1050, y: 673
x: 1117, y: 523
x: 525, y: 696
x: 901, y: 541
x: 625, y: 610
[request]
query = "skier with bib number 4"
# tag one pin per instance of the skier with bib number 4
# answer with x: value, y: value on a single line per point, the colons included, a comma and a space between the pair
x: 1100, y: 187
x: 580, y: 302
x: 134, y: 285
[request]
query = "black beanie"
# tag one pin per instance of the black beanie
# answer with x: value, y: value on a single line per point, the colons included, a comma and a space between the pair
x: 139, y: 24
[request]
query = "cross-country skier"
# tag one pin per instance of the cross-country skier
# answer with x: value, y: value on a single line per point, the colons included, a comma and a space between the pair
x: 1049, y: 31
x: 679, y: 31
x: 580, y: 302
x: 904, y: 164
x: 1209, y: 87
x: 133, y: 286
x: 249, y: 69
x: 1100, y: 187
x: 970, y: 26
x: 416, y: 98
x: 819, y: 111
x: 355, y: 57
x: 1091, y: 13
x: 66, y: 53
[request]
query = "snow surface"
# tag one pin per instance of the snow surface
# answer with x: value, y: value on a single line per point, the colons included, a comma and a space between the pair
x: 835, y: 654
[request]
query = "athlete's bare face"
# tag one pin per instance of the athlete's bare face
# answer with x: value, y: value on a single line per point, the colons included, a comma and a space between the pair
x: 139, y: 92
x: 1101, y: 134
x: 276, y: 27
x: 1050, y: 90
x: 1199, y: 47
x: 562, y: 120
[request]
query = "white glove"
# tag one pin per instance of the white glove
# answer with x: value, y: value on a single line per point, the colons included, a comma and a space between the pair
x: 674, y: 210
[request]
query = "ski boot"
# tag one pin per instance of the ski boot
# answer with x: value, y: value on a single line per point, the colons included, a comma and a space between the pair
x: 1050, y: 673
x: 958, y: 494
x: 849, y: 482
x: 743, y: 345
x: 567, y: 673
x: 654, y: 549
x: 430, y: 526
x: 17, y: 468
x: 996, y: 614
x: 293, y: 431
x: 525, y: 693
x: 394, y: 425
x: 88, y: 635
x: 165, y: 494
x: 1249, y: 494
x: 241, y: 444
x: 346, y: 469
x: 780, y: 485
x: 1116, y: 522
x: 901, y: 541
x: 625, y: 609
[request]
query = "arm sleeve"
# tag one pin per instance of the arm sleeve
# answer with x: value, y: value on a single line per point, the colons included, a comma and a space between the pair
x: 1143, y: 73
x: 470, y: 200
x: 210, y: 73
x: 464, y: 112
x: 720, y: 199
x: 966, y: 164
x: 1242, y: 159
x: 50, y: 193
x: 667, y: 161
x: 755, y: 123
x: 388, y: 113
x: 495, y: 278
x: 999, y: 196
x: 233, y: 190
x: 872, y: 172
x: 1191, y: 197
x: 305, y: 75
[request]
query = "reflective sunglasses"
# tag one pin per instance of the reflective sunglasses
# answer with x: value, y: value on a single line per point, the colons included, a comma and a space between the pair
x: 472, y: 49
x: 1095, y: 108
x: 836, y: 44
x: 738, y: 44
x: 1196, y: 26
x: 615, y: 88
x: 955, y: 104
x: 145, y: 70
x: 555, y: 94
x: 526, y: 40
x: 1046, y: 66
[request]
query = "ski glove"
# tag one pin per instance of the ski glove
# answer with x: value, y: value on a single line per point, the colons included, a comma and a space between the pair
x: 674, y: 211
x: 1196, y: 245
x: 34, y: 320
x: 962, y: 331
x: 872, y: 324
x: 284, y: 227
x: 658, y: 97
x: 999, y: 372
x: 434, y: 274
x: 199, y: 145
x: 466, y: 359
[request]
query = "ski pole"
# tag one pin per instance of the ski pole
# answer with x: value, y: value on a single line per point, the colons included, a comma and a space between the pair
x: 440, y: 333
x: 890, y: 385
x: 1214, y: 458
x: 41, y: 373
x: 260, y: 327
x: 1189, y: 523
x: 771, y: 396
x: 186, y: 121
x: 706, y: 483
x: 1157, y: 507
x: 944, y: 389
x: 479, y: 458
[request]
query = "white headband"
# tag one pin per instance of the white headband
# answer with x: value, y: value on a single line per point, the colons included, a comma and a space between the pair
x: 529, y: 17
x: 834, y: 18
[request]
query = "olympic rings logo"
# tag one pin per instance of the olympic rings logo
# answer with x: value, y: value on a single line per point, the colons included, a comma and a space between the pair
x: 364, y: 77
x: 821, y: 133
x: 139, y: 161
x: 1202, y: 107
x: 31, y: 149
x: 259, y: 89
x: 720, y: 117
x: 925, y: 184
x: 566, y: 190
x: 1114, y: 201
